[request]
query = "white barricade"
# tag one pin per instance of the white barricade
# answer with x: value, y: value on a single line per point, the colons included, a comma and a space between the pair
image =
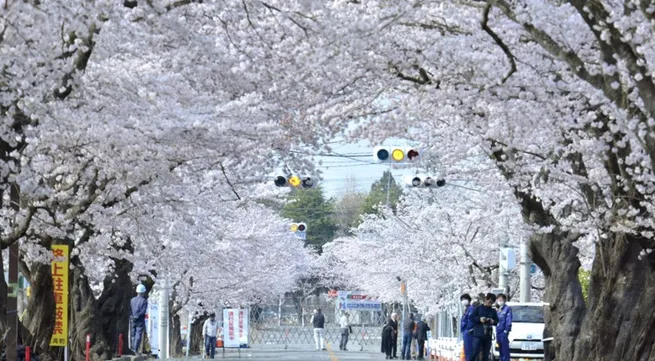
x: 445, y: 349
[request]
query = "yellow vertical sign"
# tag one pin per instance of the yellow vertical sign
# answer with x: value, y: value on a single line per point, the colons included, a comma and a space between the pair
x: 59, y: 270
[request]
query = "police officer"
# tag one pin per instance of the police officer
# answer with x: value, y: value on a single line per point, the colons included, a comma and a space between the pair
x: 138, y: 310
x: 465, y: 324
x: 504, y: 327
x: 483, y: 319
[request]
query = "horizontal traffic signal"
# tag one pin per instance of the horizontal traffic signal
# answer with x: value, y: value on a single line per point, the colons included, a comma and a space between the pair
x: 395, y: 154
x: 299, y: 230
x: 421, y: 181
x: 295, y: 181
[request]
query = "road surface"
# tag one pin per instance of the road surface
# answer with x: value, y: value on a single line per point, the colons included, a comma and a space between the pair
x: 295, y: 353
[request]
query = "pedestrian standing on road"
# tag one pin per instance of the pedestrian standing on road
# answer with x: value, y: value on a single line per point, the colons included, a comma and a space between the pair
x: 387, y: 337
x: 345, y: 331
x: 422, y: 329
x: 394, y: 336
x: 504, y: 327
x: 483, y: 317
x: 408, y: 329
x: 209, y: 333
x: 318, y: 322
x: 466, y: 326
x: 138, y: 310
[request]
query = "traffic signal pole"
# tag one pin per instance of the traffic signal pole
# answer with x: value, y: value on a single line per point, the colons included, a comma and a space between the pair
x: 525, y: 285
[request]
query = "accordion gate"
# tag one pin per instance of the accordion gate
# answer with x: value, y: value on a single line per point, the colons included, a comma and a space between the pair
x: 269, y: 326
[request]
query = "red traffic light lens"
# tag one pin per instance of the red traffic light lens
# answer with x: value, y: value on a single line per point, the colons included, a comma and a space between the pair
x: 412, y: 154
x: 441, y: 182
x: 383, y: 154
x: 307, y: 183
x: 301, y: 227
x: 280, y: 181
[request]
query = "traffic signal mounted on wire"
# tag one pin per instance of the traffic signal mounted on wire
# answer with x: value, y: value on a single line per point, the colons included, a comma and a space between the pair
x: 395, y: 154
x: 295, y: 181
x: 421, y: 181
x: 299, y: 230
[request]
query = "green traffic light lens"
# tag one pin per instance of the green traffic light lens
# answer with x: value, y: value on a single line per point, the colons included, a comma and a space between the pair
x: 383, y: 154
x: 416, y: 181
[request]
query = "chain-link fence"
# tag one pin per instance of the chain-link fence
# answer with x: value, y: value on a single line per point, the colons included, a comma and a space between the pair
x: 288, y: 323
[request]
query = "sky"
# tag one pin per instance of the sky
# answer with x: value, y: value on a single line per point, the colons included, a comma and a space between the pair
x: 354, y: 160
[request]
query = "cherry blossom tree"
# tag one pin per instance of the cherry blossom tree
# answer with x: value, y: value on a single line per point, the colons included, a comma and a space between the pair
x: 442, y: 242
x: 120, y: 144
x: 558, y: 94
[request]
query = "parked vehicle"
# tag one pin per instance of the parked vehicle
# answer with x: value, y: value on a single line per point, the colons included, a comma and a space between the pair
x: 525, y: 340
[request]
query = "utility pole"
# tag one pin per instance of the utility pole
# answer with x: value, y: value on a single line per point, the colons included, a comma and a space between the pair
x: 526, y: 264
x: 188, y: 333
x: 12, y: 298
x: 502, y: 265
x: 163, y: 320
x: 403, y: 290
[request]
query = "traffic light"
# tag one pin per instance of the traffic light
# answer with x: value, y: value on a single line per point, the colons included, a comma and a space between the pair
x: 299, y: 230
x: 295, y: 181
x: 395, y: 154
x: 420, y: 181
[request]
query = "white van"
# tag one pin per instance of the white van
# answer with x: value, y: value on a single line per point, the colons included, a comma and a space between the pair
x: 525, y: 340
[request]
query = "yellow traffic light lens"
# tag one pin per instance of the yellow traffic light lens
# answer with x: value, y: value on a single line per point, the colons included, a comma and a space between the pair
x: 294, y: 227
x: 294, y: 181
x: 397, y: 155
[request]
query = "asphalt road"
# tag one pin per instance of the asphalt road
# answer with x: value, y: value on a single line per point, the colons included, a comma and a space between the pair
x: 259, y: 355
x: 296, y: 353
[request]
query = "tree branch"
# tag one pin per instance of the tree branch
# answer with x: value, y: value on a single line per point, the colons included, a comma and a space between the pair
x: 19, y: 232
x: 229, y: 182
x: 499, y: 41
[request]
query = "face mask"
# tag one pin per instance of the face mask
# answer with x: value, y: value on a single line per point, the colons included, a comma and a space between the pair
x: 465, y: 302
x: 501, y: 303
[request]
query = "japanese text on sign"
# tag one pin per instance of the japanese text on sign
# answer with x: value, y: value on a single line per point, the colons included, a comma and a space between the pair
x: 240, y: 324
x: 59, y: 271
x: 231, y: 325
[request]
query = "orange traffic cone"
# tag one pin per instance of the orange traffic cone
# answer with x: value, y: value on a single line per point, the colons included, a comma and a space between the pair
x: 462, y: 356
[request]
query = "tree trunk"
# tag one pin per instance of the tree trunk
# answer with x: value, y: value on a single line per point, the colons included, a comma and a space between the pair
x: 114, y: 305
x: 85, y: 319
x: 174, y: 334
x: 197, y: 341
x: 103, y: 318
x: 40, y: 313
x: 556, y: 256
x: 618, y: 322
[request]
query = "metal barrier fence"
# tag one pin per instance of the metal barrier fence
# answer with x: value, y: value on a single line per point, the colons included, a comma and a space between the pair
x: 288, y: 323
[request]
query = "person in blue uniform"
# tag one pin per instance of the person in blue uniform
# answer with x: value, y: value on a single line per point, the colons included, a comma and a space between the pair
x: 465, y: 324
x: 504, y: 327
x: 483, y: 318
x: 138, y: 310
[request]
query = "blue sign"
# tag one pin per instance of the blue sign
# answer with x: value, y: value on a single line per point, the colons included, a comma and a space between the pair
x: 372, y: 306
x: 357, y: 300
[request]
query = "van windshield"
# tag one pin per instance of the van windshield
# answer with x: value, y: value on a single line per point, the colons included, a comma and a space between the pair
x: 527, y: 314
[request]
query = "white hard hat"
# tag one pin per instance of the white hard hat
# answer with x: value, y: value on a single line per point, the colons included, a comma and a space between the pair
x: 140, y: 288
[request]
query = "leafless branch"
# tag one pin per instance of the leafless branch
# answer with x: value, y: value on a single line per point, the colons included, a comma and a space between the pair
x: 499, y: 41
